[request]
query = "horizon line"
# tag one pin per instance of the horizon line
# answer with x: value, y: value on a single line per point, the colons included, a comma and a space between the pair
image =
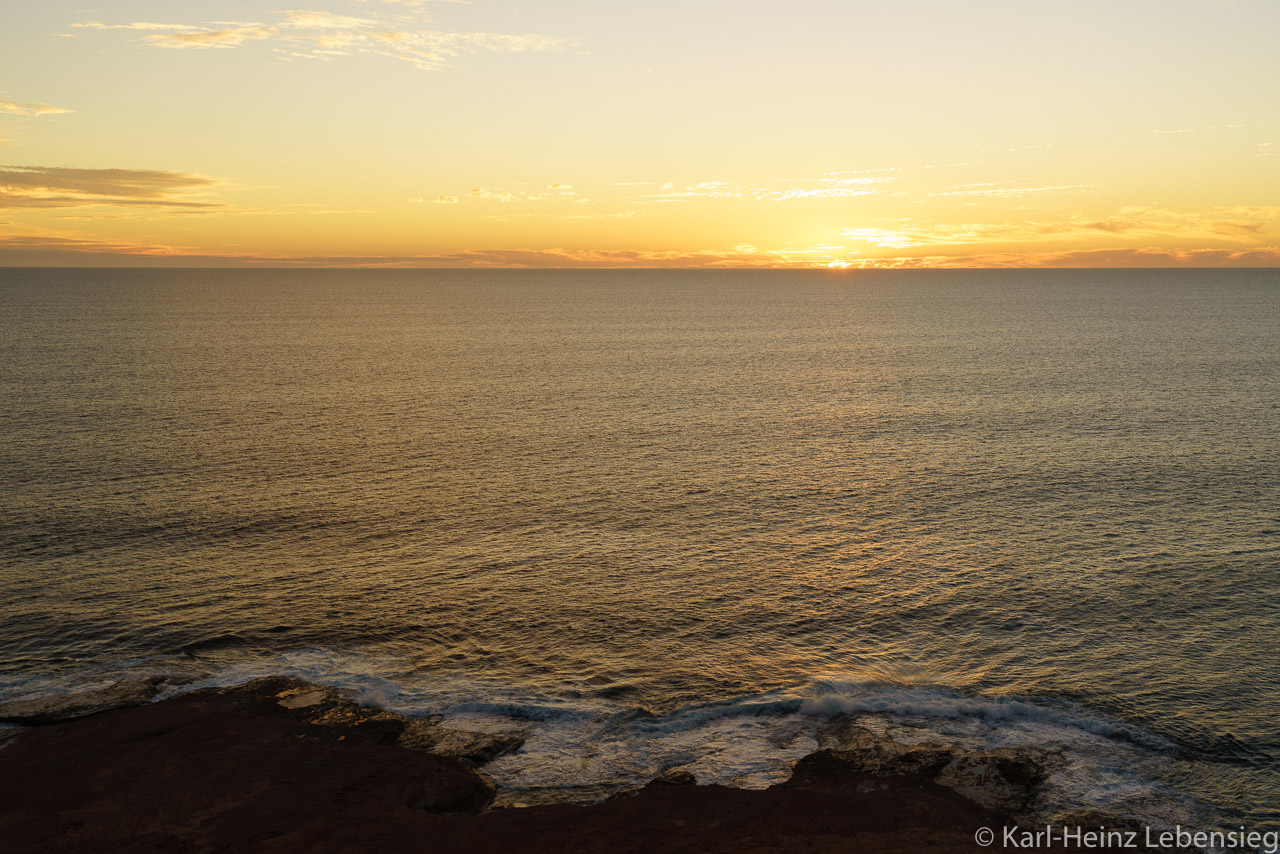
x: 616, y: 268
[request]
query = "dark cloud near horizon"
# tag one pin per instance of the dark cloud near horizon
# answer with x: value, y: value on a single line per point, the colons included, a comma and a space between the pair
x: 58, y: 187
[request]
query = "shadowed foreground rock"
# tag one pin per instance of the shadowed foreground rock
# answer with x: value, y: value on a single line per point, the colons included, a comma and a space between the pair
x: 282, y: 766
x: 220, y: 769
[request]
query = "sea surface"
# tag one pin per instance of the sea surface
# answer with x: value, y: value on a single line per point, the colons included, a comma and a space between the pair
x: 657, y: 519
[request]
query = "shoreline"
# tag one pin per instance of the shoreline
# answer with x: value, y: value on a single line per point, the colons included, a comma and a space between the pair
x: 279, y: 764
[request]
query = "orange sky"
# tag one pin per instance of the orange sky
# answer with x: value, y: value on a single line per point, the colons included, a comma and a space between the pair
x: 499, y: 133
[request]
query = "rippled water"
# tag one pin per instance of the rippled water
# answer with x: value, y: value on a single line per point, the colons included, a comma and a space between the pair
x: 1045, y: 504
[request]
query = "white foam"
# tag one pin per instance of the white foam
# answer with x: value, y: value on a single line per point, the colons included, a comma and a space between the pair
x: 582, y: 748
x: 831, y: 697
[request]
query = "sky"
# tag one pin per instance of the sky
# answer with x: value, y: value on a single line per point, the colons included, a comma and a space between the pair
x: 581, y: 133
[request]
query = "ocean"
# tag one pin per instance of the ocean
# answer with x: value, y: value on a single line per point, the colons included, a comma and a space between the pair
x: 656, y: 519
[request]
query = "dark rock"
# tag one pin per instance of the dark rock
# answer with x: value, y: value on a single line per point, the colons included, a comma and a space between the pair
x: 676, y: 777
x: 220, y: 769
x: 326, y: 706
x: 274, y: 767
x: 1006, y: 779
x: 475, y: 747
x: 305, y: 700
x: 876, y: 754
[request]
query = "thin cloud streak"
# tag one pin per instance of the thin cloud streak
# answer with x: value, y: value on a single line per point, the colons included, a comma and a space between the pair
x: 1232, y: 225
x: 91, y: 249
x: 70, y: 249
x: 310, y: 34
x: 1265, y: 256
x: 59, y: 187
x: 830, y: 186
x: 1009, y: 192
x: 827, y: 187
x: 30, y: 109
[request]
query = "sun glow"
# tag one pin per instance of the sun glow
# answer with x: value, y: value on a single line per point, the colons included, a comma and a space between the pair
x: 879, y: 237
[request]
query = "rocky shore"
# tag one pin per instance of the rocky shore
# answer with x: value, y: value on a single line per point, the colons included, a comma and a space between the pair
x: 281, y: 765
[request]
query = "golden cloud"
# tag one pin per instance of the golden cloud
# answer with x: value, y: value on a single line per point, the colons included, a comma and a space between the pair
x: 1231, y: 225
x: 30, y: 109
x: 311, y: 34
x: 1267, y: 256
x: 231, y: 37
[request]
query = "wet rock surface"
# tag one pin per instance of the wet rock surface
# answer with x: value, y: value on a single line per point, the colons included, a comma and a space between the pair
x: 1005, y: 778
x: 77, y: 704
x: 475, y: 747
x: 676, y: 777
x: 327, y: 706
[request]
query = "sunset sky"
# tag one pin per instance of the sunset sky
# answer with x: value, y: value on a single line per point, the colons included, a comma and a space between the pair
x: 697, y: 133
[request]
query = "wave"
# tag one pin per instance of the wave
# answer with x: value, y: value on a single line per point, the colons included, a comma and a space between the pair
x: 582, y: 747
x: 832, y: 697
